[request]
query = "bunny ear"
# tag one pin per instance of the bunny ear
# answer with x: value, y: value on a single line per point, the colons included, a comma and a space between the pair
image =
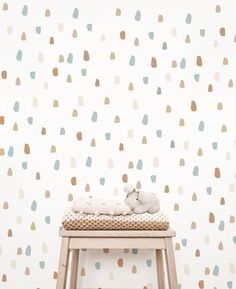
x: 129, y: 188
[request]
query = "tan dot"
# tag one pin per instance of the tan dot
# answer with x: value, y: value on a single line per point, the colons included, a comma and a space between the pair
x: 87, y: 188
x: 47, y: 13
x: 5, y: 6
x: 219, y: 106
x: 222, y: 31
x: 86, y: 55
x: 106, y: 250
x: 33, y: 226
x: 136, y: 41
x: 27, y: 149
x: 223, y: 128
x: 197, y: 253
x: 218, y: 9
x: 174, y: 64
x: 55, y: 71
x: 201, y: 284
x: 15, y: 127
x: 2, y: 152
x: 194, y: 197
x: 211, y: 217
x: 207, y: 271
x: 74, y: 113
x: 5, y: 205
x: 69, y: 78
x: 27, y: 271
x: 187, y: 39
x: 117, y: 119
x: 2, y: 119
x: 125, y: 178
x: 43, y: 131
x: 193, y: 225
x: 70, y: 198
x: 61, y: 58
x: 73, y: 181
x: 4, y: 278
x: 55, y: 275
x: 121, y: 147
x: 131, y: 87
x: 144, y: 140
x: 47, y: 194
x: 153, y: 62
x: 82, y: 272
x: 232, y: 219
x: 122, y: 35
x: 199, y: 61
x: 230, y: 83
x: 9, y: 172
x: 134, y: 269
x: 130, y: 165
x: 217, y: 173
x: 193, y: 105
x: 23, y: 36
x: 166, y: 190
x: 53, y: 149
x: 168, y: 108
x: 9, y: 233
x: 199, y: 152
x: 4, y: 74
x: 160, y: 18
x: 93, y: 143
x: 181, y: 122
x: 74, y: 34
x: 225, y: 61
x: 181, y: 84
x: 97, y: 82
x: 181, y: 162
x: 112, y: 56
x: 118, y: 12
x: 51, y: 40
x: 79, y: 135
x: 120, y: 262
x: 18, y: 82
x: 19, y: 251
x: 176, y: 207
x: 106, y: 100
x: 177, y: 246
x: 220, y: 246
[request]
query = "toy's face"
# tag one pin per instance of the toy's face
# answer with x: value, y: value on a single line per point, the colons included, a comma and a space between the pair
x: 131, y: 200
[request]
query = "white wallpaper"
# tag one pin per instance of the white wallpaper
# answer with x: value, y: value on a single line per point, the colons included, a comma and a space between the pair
x: 95, y: 94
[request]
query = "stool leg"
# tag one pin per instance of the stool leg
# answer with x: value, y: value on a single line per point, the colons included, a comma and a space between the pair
x: 74, y: 268
x: 170, y: 264
x: 160, y: 269
x: 63, y: 263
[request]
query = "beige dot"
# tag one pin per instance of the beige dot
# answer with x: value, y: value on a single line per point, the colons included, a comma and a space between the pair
x: 173, y: 32
x: 110, y: 164
x: 9, y: 172
x: 207, y: 271
x: 73, y: 163
x: 181, y: 122
x: 134, y: 269
x: 130, y: 133
x: 144, y: 140
x: 82, y: 272
x: 40, y: 57
x: 218, y: 9
x: 231, y: 268
x: 13, y: 264
x: 19, y: 219
x: 138, y: 185
x: 112, y: 56
x: 181, y: 84
x: 61, y: 58
x: 131, y: 87
x: 19, y: 251
x: 74, y: 34
x: 160, y: 18
x: 21, y: 194
x: 181, y: 162
x: 155, y: 162
x: 9, y: 29
x: 110, y: 277
x: 135, y: 104
x: 186, y: 269
x: 2, y: 152
x: 193, y: 225
x: 194, y: 197
x: 47, y: 13
x: 187, y: 39
x: 33, y: 226
x: 199, y: 152
x: 174, y: 64
x: 18, y: 82
x: 87, y: 188
x: 118, y: 12
x: 106, y: 100
x: 44, y: 248
x: 23, y: 36
x: 131, y: 165
x: 206, y: 239
x: 69, y: 78
x: 5, y: 205
x: 55, y: 275
x: 5, y: 7
x: 220, y: 246
x: 136, y: 41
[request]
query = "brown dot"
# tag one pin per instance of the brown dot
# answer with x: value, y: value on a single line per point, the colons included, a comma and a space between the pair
x: 134, y: 269
x: 51, y: 40
x: 166, y: 190
x: 106, y: 100
x: 79, y: 135
x: 210, y: 88
x: 122, y: 35
x: 55, y: 275
x: 125, y: 178
x: 217, y: 173
x: 193, y: 105
x: 220, y: 246
x: 222, y: 201
x: 43, y: 131
x: 4, y: 74
x: 199, y: 61
x: 55, y: 71
x: 160, y: 18
x: 118, y: 12
x: 211, y: 217
x: 86, y: 55
x: 106, y: 250
x: 222, y: 31
x: 187, y: 39
x: 153, y: 62
x: 4, y: 278
x: 121, y: 147
x: 97, y: 82
x: 197, y: 253
x: 120, y: 262
x: 73, y: 181
x: 27, y: 149
x: 201, y: 284
x: 117, y: 119
x: 2, y: 120
x: 9, y: 233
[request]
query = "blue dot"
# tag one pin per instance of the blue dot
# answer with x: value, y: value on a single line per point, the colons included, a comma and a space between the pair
x: 183, y: 63
x: 24, y: 165
x: 89, y: 27
x: 158, y: 90
x: 149, y: 262
x: 209, y: 190
x: 97, y: 265
x: 230, y: 284
x: 62, y: 131
x: 16, y: 106
x: 102, y: 181
x: 108, y: 136
x: 214, y: 145
x: 139, y: 164
x: 216, y: 270
x: 32, y: 74
x: 57, y: 165
x: 202, y: 32
x: 37, y: 176
x: 42, y: 264
x: 30, y: 120
x: 184, y: 242
x: 10, y: 152
x: 195, y: 171
x: 75, y: 13
x: 137, y: 15
x: 172, y: 144
x: 201, y: 126
x: 19, y: 55
x: 153, y: 178
x: 25, y: 10
x: 221, y: 226
x: 188, y: 18
x: 70, y: 58
x: 196, y: 77
x: 159, y: 133
x: 151, y: 35
x: 132, y: 60
x: 84, y: 71
x: 94, y: 116
x: 47, y: 219
x: 38, y: 29
x: 135, y: 251
x: 145, y: 80
x: 234, y: 239
x: 145, y: 119
x: 88, y: 162
x: 34, y: 206
x: 28, y: 251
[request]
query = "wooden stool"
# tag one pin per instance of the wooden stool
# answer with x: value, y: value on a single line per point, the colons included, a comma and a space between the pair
x: 158, y: 240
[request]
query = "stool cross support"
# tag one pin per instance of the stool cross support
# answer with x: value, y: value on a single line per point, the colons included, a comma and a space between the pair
x: 160, y: 241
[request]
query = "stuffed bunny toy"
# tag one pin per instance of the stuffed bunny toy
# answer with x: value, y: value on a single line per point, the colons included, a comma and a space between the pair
x: 140, y: 202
